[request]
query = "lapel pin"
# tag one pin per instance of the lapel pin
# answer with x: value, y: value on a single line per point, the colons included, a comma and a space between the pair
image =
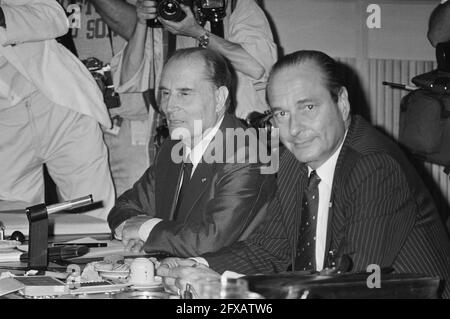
x: 203, y: 179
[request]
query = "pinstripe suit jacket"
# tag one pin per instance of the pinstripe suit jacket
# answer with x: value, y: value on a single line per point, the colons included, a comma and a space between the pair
x: 380, y: 213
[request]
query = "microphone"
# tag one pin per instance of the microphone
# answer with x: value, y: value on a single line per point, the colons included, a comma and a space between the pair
x: 70, y: 204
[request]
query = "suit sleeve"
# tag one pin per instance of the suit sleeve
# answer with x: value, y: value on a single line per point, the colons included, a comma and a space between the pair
x: 139, y: 200
x: 239, y: 193
x: 32, y: 20
x: 380, y: 212
x: 267, y: 250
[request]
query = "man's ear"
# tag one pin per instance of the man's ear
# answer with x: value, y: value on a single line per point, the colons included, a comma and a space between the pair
x: 344, y: 104
x: 221, y: 98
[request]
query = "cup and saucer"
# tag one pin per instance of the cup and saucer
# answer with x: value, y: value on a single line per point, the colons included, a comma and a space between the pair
x: 142, y: 275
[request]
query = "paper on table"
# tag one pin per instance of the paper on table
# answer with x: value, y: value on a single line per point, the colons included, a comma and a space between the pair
x: 9, y: 285
x: 86, y: 240
x: 59, y: 224
x: 10, y: 256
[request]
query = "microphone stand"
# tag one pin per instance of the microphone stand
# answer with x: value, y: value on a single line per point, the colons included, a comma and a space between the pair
x: 38, y: 229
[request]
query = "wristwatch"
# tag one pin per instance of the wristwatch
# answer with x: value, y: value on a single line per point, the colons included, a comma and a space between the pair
x: 203, y: 40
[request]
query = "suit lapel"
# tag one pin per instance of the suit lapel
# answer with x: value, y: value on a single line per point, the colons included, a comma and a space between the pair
x: 291, y: 183
x: 204, y: 173
x: 199, y: 183
x: 168, y: 176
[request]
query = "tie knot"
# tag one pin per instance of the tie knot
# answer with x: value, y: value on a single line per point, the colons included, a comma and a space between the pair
x: 314, y: 180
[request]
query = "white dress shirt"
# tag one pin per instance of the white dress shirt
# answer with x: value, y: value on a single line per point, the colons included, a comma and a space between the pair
x: 195, y: 154
x: 326, y: 175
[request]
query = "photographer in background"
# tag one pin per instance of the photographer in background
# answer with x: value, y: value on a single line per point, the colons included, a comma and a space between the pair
x: 50, y: 110
x: 439, y: 24
x: 247, y: 43
x: 127, y: 140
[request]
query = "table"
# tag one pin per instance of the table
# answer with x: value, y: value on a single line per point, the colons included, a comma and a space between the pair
x: 96, y: 254
x: 298, y: 285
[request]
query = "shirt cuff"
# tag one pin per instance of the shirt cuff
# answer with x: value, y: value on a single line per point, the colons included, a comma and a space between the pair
x: 231, y: 274
x: 118, y: 231
x: 147, y: 227
x: 226, y: 274
x: 200, y: 260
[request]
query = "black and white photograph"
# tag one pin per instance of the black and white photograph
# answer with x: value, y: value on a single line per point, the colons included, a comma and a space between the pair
x: 224, y: 154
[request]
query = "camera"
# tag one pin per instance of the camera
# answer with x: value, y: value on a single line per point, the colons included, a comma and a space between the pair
x: 102, y: 75
x: 204, y: 10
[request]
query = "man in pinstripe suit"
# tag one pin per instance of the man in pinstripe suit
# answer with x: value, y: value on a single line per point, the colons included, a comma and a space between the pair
x: 344, y: 189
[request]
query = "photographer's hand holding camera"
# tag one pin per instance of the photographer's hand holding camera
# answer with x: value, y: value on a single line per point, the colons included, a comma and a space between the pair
x: 246, y: 42
x: 188, y: 26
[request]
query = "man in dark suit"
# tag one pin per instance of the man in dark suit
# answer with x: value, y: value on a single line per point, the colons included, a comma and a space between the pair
x: 204, y: 190
x: 344, y: 189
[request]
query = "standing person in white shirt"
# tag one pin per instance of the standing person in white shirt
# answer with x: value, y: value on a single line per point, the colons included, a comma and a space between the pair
x: 50, y: 110
x: 128, y: 140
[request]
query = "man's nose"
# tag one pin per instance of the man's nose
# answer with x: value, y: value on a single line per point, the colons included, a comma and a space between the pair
x: 171, y: 104
x: 295, y: 125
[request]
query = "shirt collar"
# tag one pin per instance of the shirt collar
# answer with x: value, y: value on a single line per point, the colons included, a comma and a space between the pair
x: 326, y: 170
x: 196, y: 153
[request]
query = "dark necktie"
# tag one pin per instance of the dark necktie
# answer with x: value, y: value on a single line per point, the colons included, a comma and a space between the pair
x: 306, y: 245
x: 187, y: 170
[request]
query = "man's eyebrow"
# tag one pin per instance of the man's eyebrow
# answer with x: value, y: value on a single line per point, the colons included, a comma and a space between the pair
x: 303, y: 101
x: 185, y: 89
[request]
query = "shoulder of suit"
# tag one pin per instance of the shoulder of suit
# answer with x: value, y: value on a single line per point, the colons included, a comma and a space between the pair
x: 364, y: 139
x: 366, y: 149
x: 166, y: 149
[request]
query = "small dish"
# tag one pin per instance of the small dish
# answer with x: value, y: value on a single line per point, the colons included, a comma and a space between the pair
x: 7, y: 245
x: 113, y: 274
x: 155, y: 284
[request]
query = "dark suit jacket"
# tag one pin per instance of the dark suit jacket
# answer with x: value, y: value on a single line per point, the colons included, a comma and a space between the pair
x: 219, y: 206
x: 381, y: 214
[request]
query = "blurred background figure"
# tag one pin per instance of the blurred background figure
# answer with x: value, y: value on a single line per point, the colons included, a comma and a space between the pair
x: 50, y: 110
x: 127, y: 141
x: 439, y: 24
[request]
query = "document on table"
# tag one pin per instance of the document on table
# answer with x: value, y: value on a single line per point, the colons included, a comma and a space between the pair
x: 59, y: 224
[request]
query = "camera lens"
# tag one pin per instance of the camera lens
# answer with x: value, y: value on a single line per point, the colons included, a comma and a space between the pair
x: 170, y: 10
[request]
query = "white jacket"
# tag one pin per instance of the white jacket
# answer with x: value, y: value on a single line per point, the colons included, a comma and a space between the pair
x: 28, y: 44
